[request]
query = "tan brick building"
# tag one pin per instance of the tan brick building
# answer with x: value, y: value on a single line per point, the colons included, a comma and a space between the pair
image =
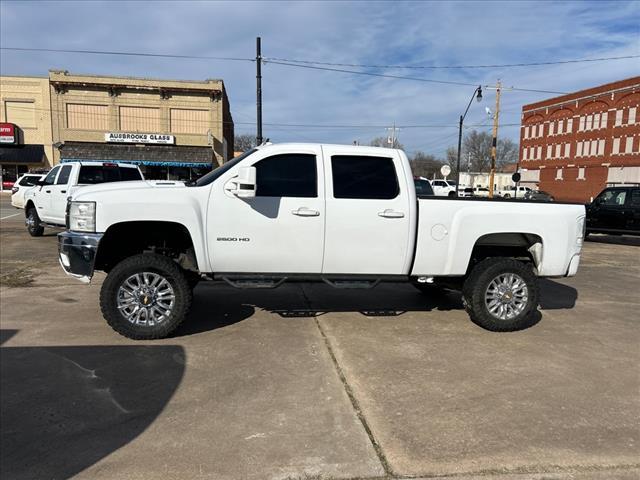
x: 25, y: 126
x: 574, y: 145
x: 173, y: 129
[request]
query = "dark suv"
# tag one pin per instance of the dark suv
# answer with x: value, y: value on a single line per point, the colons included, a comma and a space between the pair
x: 616, y: 211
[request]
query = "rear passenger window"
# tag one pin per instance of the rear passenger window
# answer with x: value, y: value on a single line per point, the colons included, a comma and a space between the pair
x: 372, y: 178
x: 635, y: 197
x: 63, y: 178
x: 287, y: 175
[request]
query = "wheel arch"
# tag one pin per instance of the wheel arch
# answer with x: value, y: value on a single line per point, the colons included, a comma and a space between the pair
x: 526, y: 246
x: 168, y: 238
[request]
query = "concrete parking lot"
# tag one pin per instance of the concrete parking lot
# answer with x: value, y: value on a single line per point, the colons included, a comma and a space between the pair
x: 307, y: 382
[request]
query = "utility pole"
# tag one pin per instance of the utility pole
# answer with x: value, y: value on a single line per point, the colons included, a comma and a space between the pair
x: 393, y: 136
x: 258, y: 91
x: 494, y: 142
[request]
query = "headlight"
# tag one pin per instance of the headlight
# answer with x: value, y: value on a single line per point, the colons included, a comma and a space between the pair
x: 82, y: 216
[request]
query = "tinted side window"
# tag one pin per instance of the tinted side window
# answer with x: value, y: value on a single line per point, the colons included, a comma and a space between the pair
x: 28, y: 181
x: 127, y: 174
x: 63, y: 178
x: 287, y: 175
x: 635, y: 197
x: 364, y: 177
x: 614, y: 198
x: 51, y: 176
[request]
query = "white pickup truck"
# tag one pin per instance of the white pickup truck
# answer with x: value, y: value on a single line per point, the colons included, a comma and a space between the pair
x: 46, y: 203
x: 345, y: 215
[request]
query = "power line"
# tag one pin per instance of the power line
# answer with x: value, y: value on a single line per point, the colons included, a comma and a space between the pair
x: 417, y: 79
x: 129, y: 54
x: 436, y: 67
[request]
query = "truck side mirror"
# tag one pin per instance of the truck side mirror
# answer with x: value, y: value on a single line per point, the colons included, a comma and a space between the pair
x: 244, y: 185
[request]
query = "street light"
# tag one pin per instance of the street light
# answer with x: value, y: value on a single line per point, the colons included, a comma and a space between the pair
x: 477, y: 94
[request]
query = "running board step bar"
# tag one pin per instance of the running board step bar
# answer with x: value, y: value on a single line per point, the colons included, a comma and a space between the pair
x: 259, y: 282
x: 335, y: 283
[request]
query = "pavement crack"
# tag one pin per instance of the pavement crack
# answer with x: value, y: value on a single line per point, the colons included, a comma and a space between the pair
x: 355, y: 404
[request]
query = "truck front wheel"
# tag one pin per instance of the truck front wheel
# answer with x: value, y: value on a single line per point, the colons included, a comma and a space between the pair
x: 33, y: 223
x: 145, y: 297
x: 501, y: 295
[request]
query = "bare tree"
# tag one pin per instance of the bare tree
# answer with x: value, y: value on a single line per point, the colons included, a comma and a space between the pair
x: 424, y: 165
x: 244, y: 142
x: 383, y: 142
x: 452, y: 159
x: 476, y: 152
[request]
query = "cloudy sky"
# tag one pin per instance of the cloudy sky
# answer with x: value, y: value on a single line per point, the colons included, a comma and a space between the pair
x: 337, y: 107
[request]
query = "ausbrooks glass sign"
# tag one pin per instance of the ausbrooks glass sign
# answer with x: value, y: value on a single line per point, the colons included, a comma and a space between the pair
x: 156, y: 138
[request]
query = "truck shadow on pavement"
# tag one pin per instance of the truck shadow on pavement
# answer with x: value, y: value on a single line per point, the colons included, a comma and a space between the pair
x: 218, y: 305
x: 65, y: 408
x: 614, y: 240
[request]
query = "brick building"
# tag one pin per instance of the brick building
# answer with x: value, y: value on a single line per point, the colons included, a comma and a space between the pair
x: 573, y: 145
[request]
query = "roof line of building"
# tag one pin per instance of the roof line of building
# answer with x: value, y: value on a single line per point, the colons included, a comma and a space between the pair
x: 582, y: 94
x: 119, y: 77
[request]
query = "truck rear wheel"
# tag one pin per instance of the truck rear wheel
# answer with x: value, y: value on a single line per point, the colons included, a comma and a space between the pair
x: 33, y: 223
x: 145, y: 297
x: 501, y: 295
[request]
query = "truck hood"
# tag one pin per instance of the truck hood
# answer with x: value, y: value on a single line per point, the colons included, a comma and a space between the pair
x: 85, y: 192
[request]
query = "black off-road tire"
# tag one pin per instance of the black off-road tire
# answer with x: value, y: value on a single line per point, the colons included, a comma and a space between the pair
x: 475, y: 288
x: 34, y: 228
x: 507, y: 195
x: 452, y: 194
x: 146, y: 262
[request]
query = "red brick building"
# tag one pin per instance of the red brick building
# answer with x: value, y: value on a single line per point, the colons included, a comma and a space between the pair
x: 572, y: 146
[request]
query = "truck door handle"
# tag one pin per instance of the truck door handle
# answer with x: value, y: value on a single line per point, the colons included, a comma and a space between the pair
x: 63, y: 191
x: 390, y: 213
x: 47, y: 191
x: 306, y: 212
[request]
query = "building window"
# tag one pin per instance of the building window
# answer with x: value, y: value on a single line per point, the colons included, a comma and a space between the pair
x: 526, y: 132
x: 22, y: 113
x: 524, y: 153
x: 616, y: 146
x: 581, y: 125
x: 596, y: 121
x: 184, y: 120
x: 603, y: 120
x: 579, y: 149
x: 601, y: 146
x: 551, y: 127
x: 549, y: 148
x: 570, y: 125
x: 567, y: 150
x: 558, y: 146
x: 560, y: 127
x: 140, y: 119
x: 540, y: 130
x: 539, y: 155
x: 559, y: 174
x: 594, y: 147
x: 87, y: 117
x: 585, y: 151
x: 632, y: 116
x: 618, y: 118
x: 589, y: 124
x: 581, y: 174
x: 629, y: 145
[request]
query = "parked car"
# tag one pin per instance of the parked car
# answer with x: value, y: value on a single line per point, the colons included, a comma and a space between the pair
x: 480, y: 192
x: 464, y: 191
x: 423, y: 187
x: 344, y: 215
x: 616, y: 210
x: 24, y: 183
x: 46, y: 203
x: 444, y: 188
x: 512, y: 191
x: 538, y: 196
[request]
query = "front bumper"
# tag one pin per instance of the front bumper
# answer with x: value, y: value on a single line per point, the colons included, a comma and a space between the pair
x: 77, y: 253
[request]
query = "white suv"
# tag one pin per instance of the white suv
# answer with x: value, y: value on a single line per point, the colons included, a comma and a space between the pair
x: 444, y: 188
x: 24, y: 183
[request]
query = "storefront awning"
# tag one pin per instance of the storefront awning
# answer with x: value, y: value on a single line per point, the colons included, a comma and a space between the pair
x: 143, y: 162
x: 22, y: 154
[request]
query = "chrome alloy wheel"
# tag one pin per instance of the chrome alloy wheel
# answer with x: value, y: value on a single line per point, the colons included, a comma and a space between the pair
x: 30, y: 221
x: 506, y: 296
x: 146, y: 298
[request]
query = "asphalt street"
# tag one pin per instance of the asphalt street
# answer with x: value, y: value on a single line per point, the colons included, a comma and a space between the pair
x: 308, y: 382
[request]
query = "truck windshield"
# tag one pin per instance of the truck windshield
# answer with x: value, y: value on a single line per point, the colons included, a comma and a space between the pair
x: 215, y: 174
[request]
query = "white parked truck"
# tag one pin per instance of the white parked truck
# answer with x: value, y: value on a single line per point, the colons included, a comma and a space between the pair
x: 46, y: 203
x: 345, y: 215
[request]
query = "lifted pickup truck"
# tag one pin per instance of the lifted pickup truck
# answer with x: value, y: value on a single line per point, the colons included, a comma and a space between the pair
x: 46, y: 203
x: 345, y: 215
